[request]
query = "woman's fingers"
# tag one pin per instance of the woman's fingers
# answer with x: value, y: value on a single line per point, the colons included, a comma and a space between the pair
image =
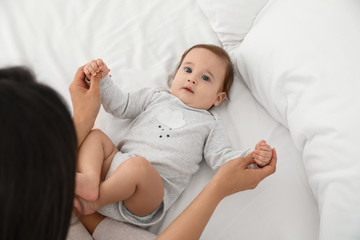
x: 87, y: 73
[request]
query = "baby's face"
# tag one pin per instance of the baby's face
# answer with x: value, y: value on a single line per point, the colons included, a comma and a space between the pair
x: 199, y: 81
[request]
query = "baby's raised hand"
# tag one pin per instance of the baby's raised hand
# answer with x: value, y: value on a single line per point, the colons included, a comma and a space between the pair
x: 95, y: 67
x: 262, y: 154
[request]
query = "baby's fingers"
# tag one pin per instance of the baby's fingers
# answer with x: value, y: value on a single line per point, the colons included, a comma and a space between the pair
x: 263, y: 151
x: 261, y: 161
x: 90, y: 69
x: 95, y: 66
x: 87, y: 72
x: 100, y: 63
x: 261, y: 142
x: 264, y: 147
x: 263, y: 157
x: 102, y: 66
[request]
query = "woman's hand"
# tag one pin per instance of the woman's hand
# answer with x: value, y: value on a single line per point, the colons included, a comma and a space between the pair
x: 234, y: 176
x: 86, y: 102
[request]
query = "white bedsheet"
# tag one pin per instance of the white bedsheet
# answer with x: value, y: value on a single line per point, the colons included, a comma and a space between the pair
x: 142, y: 41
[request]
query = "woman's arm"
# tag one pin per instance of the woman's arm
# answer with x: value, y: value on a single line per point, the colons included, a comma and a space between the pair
x: 232, y: 177
x: 90, y: 222
x: 192, y: 221
x: 86, y: 103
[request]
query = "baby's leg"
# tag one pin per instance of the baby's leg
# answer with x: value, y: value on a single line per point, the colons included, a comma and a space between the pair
x: 95, y: 155
x: 135, y: 182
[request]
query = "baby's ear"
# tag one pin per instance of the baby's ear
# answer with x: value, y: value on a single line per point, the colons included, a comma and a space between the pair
x: 220, y: 98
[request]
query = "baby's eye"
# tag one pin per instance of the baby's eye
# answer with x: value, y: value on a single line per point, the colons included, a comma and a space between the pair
x: 206, y: 78
x: 187, y: 69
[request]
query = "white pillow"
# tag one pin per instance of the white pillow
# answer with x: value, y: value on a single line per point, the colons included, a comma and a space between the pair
x: 231, y: 19
x: 301, y: 61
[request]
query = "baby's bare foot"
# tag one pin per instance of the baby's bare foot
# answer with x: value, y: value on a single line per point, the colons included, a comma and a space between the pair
x: 83, y: 206
x: 86, y: 187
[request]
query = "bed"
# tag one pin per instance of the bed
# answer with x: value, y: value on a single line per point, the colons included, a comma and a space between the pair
x: 296, y: 86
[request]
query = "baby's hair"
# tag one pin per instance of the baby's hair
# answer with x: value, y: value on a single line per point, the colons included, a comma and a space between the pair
x: 220, y: 52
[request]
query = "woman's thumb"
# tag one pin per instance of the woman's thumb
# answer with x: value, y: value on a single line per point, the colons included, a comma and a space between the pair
x: 95, y: 82
x: 248, y: 159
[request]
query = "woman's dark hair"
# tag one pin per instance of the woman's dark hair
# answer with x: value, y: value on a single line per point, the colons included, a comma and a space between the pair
x: 38, y: 150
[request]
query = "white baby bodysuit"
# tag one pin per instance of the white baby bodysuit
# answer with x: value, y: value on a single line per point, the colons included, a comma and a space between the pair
x: 171, y: 135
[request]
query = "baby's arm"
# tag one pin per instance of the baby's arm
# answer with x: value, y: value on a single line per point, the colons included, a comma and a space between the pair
x: 94, y: 67
x: 116, y: 102
x: 262, y: 153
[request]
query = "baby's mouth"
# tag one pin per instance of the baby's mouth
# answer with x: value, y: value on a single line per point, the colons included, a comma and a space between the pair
x: 188, y: 89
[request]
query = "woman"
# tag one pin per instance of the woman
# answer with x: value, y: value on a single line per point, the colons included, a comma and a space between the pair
x: 38, y: 146
x: 37, y: 159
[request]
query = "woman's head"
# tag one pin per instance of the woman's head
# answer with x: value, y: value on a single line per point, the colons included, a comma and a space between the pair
x: 37, y: 159
x: 204, y: 67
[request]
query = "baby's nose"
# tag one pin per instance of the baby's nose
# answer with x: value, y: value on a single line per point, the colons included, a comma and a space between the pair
x: 191, y: 81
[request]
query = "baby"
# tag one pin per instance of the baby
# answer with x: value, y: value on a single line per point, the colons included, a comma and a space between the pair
x: 170, y: 134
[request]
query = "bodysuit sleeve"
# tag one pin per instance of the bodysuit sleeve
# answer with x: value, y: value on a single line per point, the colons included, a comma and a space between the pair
x: 121, y: 104
x: 218, y: 148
